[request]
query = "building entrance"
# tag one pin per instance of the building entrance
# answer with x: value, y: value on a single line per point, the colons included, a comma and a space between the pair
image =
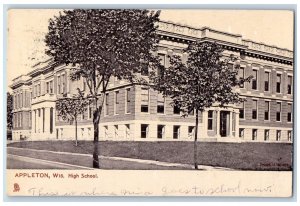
x: 224, y: 123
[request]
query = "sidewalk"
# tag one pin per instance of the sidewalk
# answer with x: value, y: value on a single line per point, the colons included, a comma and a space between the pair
x: 84, y: 160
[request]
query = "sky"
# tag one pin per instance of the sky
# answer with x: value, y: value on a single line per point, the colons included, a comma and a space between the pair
x: 27, y: 28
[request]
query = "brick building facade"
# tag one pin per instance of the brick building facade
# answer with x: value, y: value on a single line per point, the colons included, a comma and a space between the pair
x: 135, y: 113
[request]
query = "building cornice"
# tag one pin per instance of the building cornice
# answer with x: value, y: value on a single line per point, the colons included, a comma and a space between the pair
x: 186, y: 34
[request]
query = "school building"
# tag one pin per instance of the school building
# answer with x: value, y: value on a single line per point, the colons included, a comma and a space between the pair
x: 136, y: 113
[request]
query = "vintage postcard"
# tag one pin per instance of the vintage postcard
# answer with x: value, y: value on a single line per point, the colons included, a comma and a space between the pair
x: 143, y: 102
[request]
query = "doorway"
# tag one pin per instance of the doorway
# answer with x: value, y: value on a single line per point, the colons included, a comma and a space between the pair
x: 224, y: 123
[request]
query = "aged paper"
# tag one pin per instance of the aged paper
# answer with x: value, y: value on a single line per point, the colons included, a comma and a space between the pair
x: 146, y: 145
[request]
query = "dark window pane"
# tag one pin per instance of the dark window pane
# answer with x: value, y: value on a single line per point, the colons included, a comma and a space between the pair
x: 254, y: 84
x: 241, y: 132
x: 160, y: 129
x: 267, y: 132
x: 160, y: 109
x: 278, y: 87
x: 176, y: 110
x: 254, y: 134
x: 289, y: 117
x: 144, y: 130
x: 266, y: 86
x: 176, y: 132
x: 278, y: 116
x: 210, y: 124
x: 289, y: 89
x: 242, y: 115
x: 144, y: 108
x: 278, y: 135
x: 145, y: 70
x: 266, y: 115
x: 254, y: 114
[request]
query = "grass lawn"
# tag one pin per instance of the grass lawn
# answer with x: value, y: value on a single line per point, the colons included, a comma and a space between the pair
x: 242, y: 156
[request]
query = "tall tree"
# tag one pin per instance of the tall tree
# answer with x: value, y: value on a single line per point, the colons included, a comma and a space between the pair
x: 69, y: 109
x: 9, y: 115
x: 206, y: 78
x: 101, y: 44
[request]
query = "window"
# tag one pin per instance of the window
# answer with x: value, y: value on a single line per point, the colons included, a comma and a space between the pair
x: 289, y: 86
x: 51, y: 120
x: 127, y: 131
x: 21, y: 119
x: 176, y: 109
x: 39, y: 89
x: 242, y: 110
x: 233, y: 123
x: 106, y: 132
x: 30, y: 119
x: 254, y: 109
x: 144, y: 70
x: 35, y: 91
x: 241, y: 75
x: 116, y: 131
x: 289, y: 114
x: 210, y: 120
x: 144, y: 130
x: 241, y: 133
x: 116, y: 102
x: 82, y: 132
x: 21, y: 100
x: 160, y: 103
x: 58, y: 84
x: 90, y: 111
x: 160, y: 131
x: 162, y: 58
x: 35, y: 121
x: 83, y: 115
x: 278, y: 83
x: 267, y: 110
x: 278, y: 111
x: 89, y: 132
x: 254, y: 134
x: 106, y: 104
x: 176, y: 132
x: 43, y: 119
x: 145, y: 100
x: 47, y: 87
x: 267, y: 135
x: 191, y: 131
x: 51, y: 87
x: 254, y: 79
x: 289, y: 134
x: 62, y: 84
x: 278, y: 135
x: 160, y: 70
x: 128, y: 100
x: 267, y: 80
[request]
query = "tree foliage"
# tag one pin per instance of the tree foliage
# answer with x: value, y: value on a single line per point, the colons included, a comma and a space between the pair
x: 104, y: 43
x: 100, y: 44
x: 70, y: 108
x: 206, y: 78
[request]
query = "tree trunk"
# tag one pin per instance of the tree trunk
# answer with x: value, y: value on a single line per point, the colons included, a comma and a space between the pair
x: 195, y: 141
x: 76, y: 142
x: 96, y: 120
